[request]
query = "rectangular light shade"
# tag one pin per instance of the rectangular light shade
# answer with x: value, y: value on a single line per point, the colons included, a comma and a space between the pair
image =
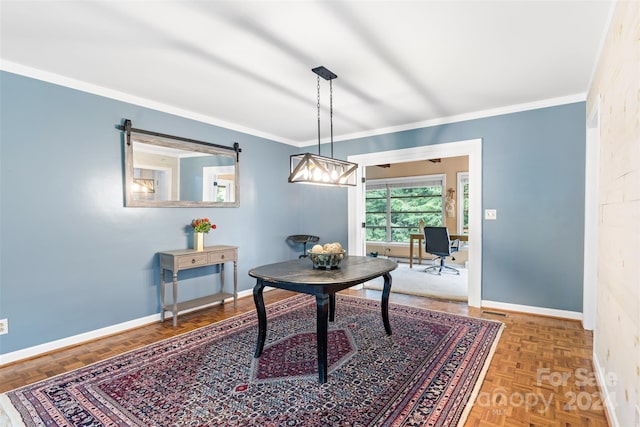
x: 315, y: 169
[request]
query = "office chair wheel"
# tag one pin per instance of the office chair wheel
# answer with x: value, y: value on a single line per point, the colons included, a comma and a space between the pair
x: 454, y: 270
x: 440, y: 267
x: 432, y: 270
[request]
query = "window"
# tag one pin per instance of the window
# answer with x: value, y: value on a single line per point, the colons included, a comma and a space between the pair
x: 395, y: 206
x: 463, y: 202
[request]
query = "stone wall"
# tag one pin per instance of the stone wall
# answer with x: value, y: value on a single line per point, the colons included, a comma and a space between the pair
x: 616, y: 89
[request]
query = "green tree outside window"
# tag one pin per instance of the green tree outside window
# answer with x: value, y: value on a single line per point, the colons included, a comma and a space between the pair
x: 394, y: 212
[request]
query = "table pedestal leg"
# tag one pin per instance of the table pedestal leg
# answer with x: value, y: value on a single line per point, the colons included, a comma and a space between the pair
x: 385, y: 302
x: 262, y: 317
x: 322, y: 302
x: 332, y: 307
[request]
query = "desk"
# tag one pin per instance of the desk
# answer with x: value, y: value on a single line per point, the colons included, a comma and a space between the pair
x: 183, y: 259
x: 420, y: 237
x: 300, y: 276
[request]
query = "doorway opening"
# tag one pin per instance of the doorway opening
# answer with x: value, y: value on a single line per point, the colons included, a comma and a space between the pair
x: 401, y: 199
x: 218, y: 184
x: 470, y: 148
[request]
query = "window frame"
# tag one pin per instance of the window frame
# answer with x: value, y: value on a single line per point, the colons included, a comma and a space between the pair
x: 461, y: 178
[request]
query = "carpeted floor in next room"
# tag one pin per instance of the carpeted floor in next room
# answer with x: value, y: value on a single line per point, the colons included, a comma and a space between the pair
x: 415, y: 281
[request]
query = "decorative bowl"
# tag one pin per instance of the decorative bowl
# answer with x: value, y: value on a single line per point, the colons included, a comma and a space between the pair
x: 326, y: 260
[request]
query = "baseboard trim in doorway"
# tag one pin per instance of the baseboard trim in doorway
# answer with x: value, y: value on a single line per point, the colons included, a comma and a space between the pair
x: 541, y: 311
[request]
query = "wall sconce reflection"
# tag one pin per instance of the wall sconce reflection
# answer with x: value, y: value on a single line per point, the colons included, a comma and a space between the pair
x: 143, y: 186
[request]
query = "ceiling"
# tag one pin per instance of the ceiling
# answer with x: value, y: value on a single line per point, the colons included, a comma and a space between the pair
x: 247, y: 65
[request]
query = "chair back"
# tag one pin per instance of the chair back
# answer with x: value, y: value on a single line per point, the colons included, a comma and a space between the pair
x: 436, y: 241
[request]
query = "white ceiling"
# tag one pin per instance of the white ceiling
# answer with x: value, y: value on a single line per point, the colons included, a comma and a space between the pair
x: 247, y: 64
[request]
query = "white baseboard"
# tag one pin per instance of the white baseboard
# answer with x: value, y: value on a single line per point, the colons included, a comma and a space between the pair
x: 75, y: 339
x: 114, y: 329
x: 607, y: 399
x: 573, y: 315
x: 40, y: 349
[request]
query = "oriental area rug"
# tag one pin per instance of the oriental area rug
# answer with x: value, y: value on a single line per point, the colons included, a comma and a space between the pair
x: 426, y: 373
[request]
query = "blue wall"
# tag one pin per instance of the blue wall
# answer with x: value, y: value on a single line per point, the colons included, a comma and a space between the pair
x: 73, y: 259
x: 533, y: 174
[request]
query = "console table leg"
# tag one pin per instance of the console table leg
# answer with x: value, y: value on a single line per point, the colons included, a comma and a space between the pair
x: 385, y: 302
x: 162, y: 284
x: 262, y: 316
x: 175, y: 298
x: 222, y: 281
x: 322, y: 302
x: 235, y: 283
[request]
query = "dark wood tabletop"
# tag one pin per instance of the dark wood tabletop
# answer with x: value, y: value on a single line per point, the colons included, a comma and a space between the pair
x: 353, y: 271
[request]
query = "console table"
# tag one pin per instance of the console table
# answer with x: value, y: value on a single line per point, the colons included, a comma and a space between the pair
x: 183, y: 259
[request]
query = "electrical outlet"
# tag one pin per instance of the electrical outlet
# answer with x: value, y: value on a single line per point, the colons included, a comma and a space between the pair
x: 490, y: 214
x: 4, y: 326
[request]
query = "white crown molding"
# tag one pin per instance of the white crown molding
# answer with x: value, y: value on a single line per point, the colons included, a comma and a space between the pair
x: 551, y: 102
x: 58, y: 79
x: 49, y: 77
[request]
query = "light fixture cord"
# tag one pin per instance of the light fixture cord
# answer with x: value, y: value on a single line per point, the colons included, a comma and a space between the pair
x: 318, y: 115
x: 331, y: 112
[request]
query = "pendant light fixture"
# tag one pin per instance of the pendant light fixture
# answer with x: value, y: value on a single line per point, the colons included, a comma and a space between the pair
x: 316, y: 169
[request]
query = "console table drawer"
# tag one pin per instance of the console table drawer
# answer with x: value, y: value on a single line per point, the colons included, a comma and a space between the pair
x: 217, y: 257
x: 192, y: 261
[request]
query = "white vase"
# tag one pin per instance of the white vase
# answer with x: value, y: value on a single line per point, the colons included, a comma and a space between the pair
x: 198, y: 241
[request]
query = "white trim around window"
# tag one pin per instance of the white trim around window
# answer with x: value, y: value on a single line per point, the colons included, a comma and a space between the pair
x: 462, y: 179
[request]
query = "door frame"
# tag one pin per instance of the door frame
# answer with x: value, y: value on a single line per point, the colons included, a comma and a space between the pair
x: 591, y: 219
x: 471, y: 148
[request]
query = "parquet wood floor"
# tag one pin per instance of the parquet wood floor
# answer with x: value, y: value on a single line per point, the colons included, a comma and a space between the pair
x: 541, y: 373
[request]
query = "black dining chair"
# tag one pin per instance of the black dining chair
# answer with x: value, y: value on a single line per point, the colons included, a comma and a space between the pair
x: 438, y: 243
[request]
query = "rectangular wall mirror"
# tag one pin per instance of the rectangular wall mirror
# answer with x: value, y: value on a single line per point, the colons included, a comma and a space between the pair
x: 164, y: 171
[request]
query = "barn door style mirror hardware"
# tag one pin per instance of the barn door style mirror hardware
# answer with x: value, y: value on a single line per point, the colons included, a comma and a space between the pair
x: 171, y: 171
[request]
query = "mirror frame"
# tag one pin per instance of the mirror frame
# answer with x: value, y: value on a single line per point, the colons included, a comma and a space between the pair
x: 131, y: 136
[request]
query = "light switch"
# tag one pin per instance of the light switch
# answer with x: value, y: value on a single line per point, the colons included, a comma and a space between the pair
x: 490, y: 214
